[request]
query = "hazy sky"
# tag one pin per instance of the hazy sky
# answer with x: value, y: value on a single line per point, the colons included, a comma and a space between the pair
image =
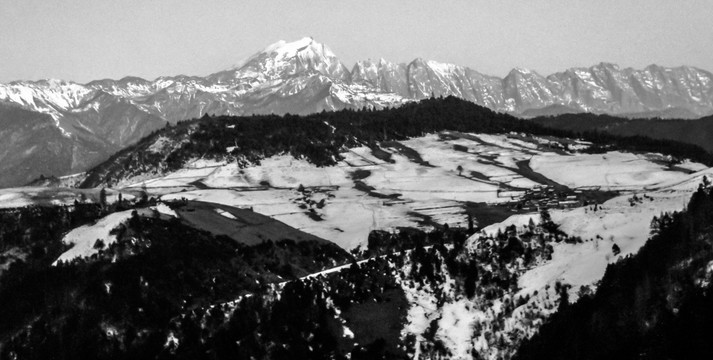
x: 83, y: 40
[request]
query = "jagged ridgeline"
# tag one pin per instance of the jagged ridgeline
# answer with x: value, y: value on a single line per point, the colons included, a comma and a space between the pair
x: 319, y: 138
x: 654, y: 305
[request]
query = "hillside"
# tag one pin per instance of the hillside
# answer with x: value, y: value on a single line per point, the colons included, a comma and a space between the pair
x: 319, y: 138
x: 697, y: 132
x: 31, y: 146
x: 441, y: 293
x: 117, y: 295
x: 653, y: 305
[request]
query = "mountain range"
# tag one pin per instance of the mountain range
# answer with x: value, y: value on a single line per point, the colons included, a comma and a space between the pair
x: 82, y: 124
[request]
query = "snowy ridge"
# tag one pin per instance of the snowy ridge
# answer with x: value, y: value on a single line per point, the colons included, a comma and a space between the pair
x: 601, y: 88
x: 305, y: 76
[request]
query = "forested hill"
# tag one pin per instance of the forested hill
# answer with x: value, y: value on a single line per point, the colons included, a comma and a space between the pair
x: 654, y: 305
x: 321, y: 137
x: 698, y: 132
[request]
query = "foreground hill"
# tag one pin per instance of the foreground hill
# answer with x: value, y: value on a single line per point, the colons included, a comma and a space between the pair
x: 165, y: 289
x: 130, y: 272
x: 654, y: 305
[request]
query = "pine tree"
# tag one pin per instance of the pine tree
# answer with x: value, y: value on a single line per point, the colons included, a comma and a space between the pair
x: 545, y: 217
x: 615, y: 248
x: 102, y: 197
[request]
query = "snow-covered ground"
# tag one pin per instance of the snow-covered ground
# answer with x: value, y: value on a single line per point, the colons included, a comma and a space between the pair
x: 612, y: 170
x: 426, y: 178
x: 346, y: 219
x: 647, y: 189
x: 616, y: 221
x: 165, y: 210
x: 11, y: 199
x: 435, y: 192
x: 27, y: 196
x: 83, y: 238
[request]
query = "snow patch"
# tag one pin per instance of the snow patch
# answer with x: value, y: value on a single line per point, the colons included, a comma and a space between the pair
x: 83, y: 238
x: 226, y: 214
x: 164, y: 209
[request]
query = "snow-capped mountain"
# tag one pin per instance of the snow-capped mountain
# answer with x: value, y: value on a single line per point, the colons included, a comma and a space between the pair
x: 602, y: 88
x: 305, y: 76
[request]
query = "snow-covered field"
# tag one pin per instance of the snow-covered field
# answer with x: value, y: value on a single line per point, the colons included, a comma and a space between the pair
x: 406, y: 191
x: 612, y: 170
x: 347, y: 217
x: 416, y: 182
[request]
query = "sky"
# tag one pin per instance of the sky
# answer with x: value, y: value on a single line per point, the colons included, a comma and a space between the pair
x: 84, y: 40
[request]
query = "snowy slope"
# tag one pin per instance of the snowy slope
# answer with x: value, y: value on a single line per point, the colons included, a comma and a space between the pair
x: 398, y: 193
x: 616, y: 221
x: 425, y: 181
x: 83, y: 238
x: 623, y: 220
x: 613, y: 170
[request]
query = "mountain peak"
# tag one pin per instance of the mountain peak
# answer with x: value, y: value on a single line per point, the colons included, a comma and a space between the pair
x: 305, y: 47
x: 520, y: 71
x: 290, y: 49
x: 607, y: 65
x: 286, y: 59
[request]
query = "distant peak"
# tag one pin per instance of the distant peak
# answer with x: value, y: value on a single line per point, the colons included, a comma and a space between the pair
x: 283, y: 50
x: 132, y: 79
x: 607, y: 65
x: 51, y: 82
x: 419, y: 61
x: 283, y: 46
x: 520, y: 71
